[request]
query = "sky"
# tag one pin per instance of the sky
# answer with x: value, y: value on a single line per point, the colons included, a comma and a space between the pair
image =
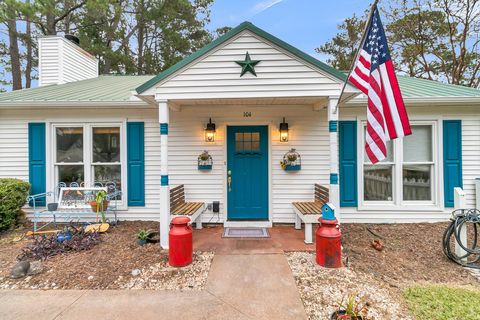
x: 305, y: 24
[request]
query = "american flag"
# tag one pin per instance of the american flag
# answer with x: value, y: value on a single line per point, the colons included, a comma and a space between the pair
x: 374, y: 75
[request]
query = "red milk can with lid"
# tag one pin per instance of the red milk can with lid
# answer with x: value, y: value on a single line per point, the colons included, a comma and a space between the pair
x: 180, y: 242
x: 328, y: 239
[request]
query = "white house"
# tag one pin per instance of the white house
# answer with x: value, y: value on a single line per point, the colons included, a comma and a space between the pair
x: 146, y: 133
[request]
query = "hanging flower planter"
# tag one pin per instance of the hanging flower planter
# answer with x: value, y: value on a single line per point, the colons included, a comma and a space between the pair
x: 205, y: 161
x: 292, y: 161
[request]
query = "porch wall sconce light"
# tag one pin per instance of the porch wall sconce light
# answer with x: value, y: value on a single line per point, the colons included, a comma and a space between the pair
x: 283, y: 131
x: 210, y: 131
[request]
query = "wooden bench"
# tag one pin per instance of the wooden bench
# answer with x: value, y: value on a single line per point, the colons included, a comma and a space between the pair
x: 310, y: 212
x: 178, y: 206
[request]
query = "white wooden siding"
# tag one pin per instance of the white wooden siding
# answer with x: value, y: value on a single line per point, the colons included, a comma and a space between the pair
x: 309, y: 135
x: 216, y: 75
x: 61, y: 61
x: 470, y: 164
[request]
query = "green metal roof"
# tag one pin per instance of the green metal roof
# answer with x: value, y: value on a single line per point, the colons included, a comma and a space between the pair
x: 423, y: 88
x: 230, y: 34
x: 109, y: 88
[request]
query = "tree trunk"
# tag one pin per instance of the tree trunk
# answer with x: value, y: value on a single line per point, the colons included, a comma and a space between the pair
x: 140, y: 36
x: 28, y: 67
x: 14, y: 54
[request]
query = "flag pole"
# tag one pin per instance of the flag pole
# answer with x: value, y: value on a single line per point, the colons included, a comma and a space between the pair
x: 367, y: 26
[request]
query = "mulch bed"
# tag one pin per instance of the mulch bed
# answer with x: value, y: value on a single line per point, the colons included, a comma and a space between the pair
x: 412, y: 253
x: 108, y: 265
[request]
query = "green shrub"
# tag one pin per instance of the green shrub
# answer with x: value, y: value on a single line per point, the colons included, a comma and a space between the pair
x: 13, y: 195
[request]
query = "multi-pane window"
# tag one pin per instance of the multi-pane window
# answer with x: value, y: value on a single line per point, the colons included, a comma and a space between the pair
x: 378, y: 178
x: 69, y: 154
x: 247, y: 142
x: 106, y: 155
x: 406, y: 174
x: 418, y: 164
x: 88, y: 154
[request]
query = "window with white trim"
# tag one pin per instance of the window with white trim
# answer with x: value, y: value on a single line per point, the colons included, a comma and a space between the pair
x: 88, y: 154
x: 408, y: 172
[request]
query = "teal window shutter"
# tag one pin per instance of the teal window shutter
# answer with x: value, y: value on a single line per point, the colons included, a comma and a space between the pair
x: 136, y: 164
x: 452, y: 158
x: 347, y: 137
x: 36, y: 160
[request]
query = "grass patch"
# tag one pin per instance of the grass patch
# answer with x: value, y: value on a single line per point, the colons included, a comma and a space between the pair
x: 438, y: 302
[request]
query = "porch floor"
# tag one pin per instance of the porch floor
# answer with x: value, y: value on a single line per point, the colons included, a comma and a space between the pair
x: 283, y: 238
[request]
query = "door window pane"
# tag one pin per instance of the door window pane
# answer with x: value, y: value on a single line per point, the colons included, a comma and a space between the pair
x: 417, y: 147
x: 417, y: 182
x: 106, y: 144
x: 378, y: 183
x: 69, y: 174
x: 239, y: 136
x: 69, y: 144
x: 108, y: 173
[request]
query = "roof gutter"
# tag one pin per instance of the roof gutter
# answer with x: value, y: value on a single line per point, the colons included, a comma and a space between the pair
x: 70, y: 104
x: 425, y: 102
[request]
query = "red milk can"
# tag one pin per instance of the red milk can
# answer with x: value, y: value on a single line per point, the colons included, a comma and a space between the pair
x: 328, y: 239
x: 180, y: 242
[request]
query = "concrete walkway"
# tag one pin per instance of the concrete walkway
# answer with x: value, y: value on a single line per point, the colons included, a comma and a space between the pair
x: 238, y: 287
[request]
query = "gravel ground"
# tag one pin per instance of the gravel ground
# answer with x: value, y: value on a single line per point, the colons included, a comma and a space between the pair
x: 161, y: 276
x: 323, y: 289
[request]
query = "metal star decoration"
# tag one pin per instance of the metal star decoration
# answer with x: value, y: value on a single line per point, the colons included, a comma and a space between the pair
x: 248, y: 65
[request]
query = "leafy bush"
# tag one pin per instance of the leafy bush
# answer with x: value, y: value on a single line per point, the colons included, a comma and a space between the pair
x: 13, y: 195
x: 44, y: 247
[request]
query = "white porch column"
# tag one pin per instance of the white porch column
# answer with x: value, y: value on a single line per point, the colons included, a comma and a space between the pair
x: 163, y: 115
x: 334, y: 197
x: 460, y: 202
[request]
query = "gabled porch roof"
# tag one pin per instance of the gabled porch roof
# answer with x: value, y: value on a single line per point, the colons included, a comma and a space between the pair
x: 231, y: 34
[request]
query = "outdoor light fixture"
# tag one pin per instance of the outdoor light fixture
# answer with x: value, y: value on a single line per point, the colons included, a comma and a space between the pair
x: 283, y: 131
x: 210, y: 131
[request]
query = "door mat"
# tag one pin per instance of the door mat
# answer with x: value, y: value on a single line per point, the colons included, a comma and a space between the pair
x: 245, y: 233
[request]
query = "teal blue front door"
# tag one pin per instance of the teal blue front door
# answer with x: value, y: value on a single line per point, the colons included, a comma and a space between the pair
x: 247, y: 172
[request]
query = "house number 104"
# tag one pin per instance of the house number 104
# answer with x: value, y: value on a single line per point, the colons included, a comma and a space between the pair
x: 247, y: 114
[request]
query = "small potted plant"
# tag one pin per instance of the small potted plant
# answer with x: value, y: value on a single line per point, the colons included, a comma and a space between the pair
x: 205, y: 161
x: 351, y: 310
x: 142, y: 236
x: 100, y: 204
x: 291, y: 161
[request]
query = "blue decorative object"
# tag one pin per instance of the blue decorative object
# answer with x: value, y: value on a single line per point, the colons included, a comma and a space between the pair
x: 332, y: 126
x: 64, y: 236
x: 205, y: 161
x: 292, y: 161
x: 293, y: 168
x: 333, y: 178
x: 164, y: 180
x: 328, y: 211
x: 164, y: 128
